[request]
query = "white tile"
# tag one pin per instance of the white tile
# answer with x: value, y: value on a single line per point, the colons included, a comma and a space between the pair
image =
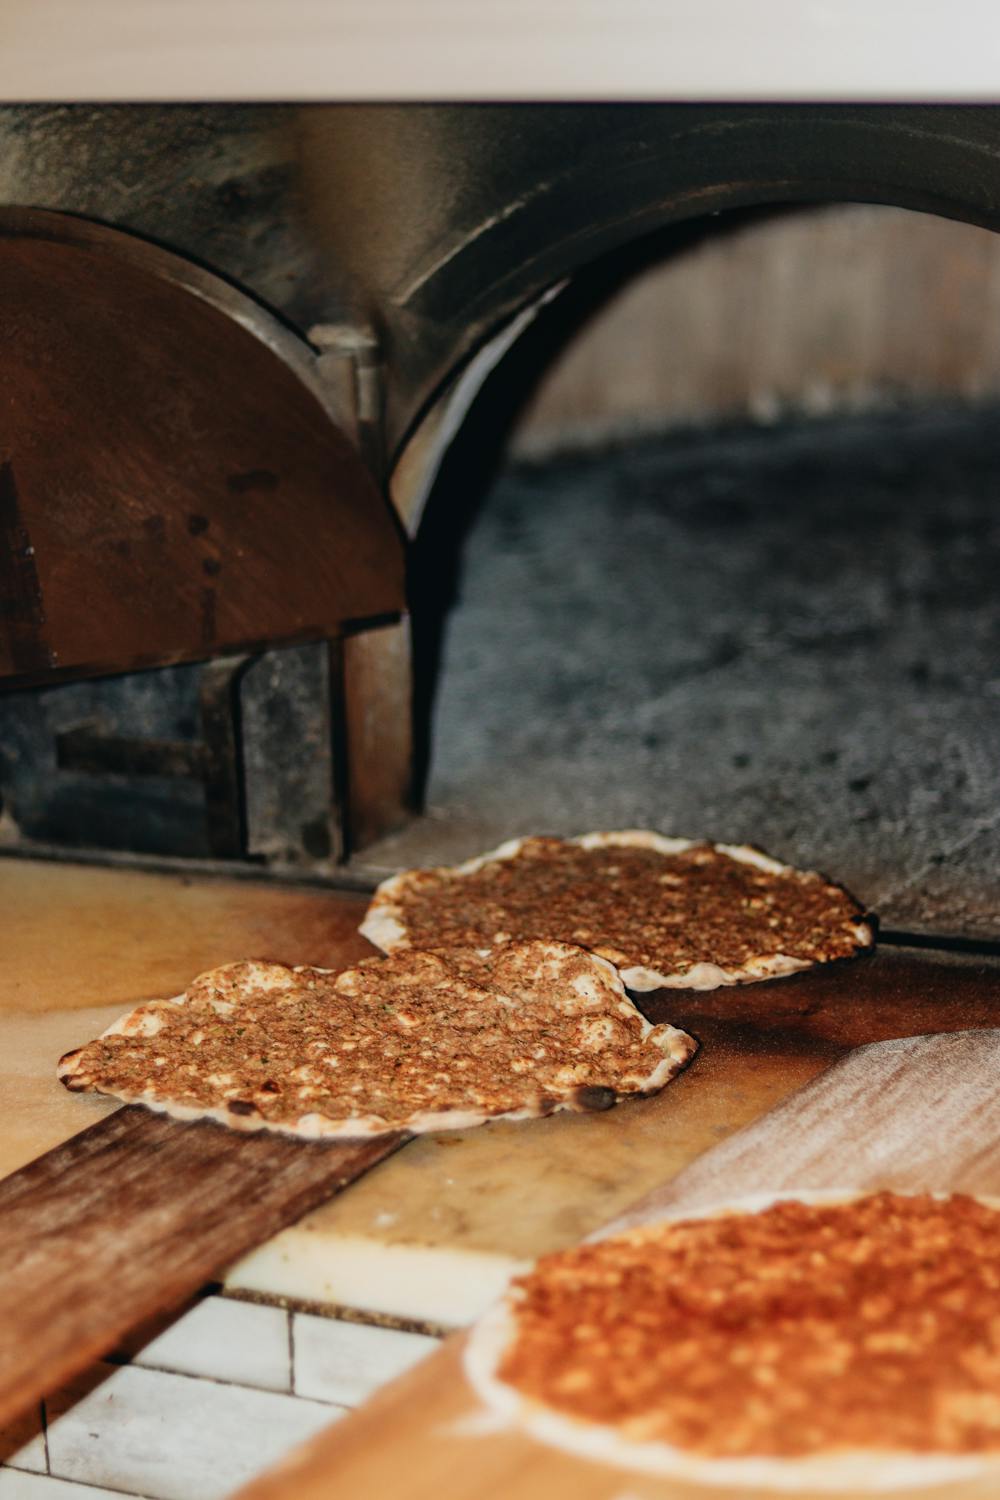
x: 22, y: 1443
x: 171, y: 1437
x: 345, y: 1362
x: 452, y: 1286
x: 14, y: 1486
x: 224, y: 1339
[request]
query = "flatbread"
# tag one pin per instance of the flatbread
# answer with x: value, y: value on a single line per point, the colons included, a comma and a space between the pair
x: 668, y: 913
x: 416, y: 1042
x: 697, y: 1353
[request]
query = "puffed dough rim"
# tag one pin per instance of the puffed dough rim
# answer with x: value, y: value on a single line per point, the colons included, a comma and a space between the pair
x: 866, y: 1471
x: 678, y: 1049
x: 384, y: 926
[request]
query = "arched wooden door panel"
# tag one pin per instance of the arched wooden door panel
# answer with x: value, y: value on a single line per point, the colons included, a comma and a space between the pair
x: 171, y: 484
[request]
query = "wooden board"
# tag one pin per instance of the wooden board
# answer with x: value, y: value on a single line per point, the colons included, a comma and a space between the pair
x: 79, y: 936
x: 130, y: 1217
x: 919, y: 1114
x: 82, y: 944
x: 171, y: 485
x: 900, y: 1113
x: 377, y: 707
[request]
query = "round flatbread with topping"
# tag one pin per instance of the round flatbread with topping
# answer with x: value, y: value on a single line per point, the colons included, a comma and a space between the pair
x: 666, y: 912
x: 849, y: 1345
x: 415, y: 1042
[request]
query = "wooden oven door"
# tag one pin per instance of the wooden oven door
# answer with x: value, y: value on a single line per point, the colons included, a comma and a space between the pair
x: 174, y: 485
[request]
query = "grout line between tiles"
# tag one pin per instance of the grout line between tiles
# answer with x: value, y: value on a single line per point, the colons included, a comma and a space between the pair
x: 290, y: 1317
x: 86, y: 1484
x: 43, y: 1417
x: 263, y: 1390
x: 337, y: 1312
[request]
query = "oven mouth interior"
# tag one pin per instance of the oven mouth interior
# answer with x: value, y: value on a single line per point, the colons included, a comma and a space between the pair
x: 781, y: 635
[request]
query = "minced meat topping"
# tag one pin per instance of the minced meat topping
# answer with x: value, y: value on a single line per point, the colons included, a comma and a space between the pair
x: 635, y: 906
x: 873, y: 1324
x: 532, y: 1025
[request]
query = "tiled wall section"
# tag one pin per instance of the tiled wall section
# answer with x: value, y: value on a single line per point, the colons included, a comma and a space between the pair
x: 193, y: 1413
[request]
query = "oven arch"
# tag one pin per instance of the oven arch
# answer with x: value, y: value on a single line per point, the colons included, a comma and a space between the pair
x: 482, y: 211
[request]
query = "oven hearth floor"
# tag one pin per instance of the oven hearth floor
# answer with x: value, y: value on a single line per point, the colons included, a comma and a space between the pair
x: 785, y: 635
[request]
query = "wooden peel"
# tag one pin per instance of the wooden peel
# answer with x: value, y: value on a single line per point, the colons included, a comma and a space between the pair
x: 909, y: 1113
x: 130, y: 1216
x: 918, y: 1114
x: 127, y: 1219
x: 123, y: 1221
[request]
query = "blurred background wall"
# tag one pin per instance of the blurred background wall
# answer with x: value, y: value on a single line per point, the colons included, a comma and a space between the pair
x: 813, y: 311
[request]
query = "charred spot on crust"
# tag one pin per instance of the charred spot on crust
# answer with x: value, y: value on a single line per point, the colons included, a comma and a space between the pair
x: 75, y: 1082
x: 270, y: 1087
x: 241, y: 1106
x: 595, y: 1097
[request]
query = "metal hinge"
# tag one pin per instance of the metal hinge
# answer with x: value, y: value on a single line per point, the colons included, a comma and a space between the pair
x: 351, y: 367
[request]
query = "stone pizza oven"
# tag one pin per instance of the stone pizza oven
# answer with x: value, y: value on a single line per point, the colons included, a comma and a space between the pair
x: 379, y: 481
x: 257, y: 362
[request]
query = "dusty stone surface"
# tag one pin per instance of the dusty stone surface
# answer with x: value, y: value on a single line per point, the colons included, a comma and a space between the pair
x: 788, y: 636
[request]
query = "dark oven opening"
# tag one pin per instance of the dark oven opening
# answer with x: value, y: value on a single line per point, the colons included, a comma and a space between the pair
x: 733, y: 574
